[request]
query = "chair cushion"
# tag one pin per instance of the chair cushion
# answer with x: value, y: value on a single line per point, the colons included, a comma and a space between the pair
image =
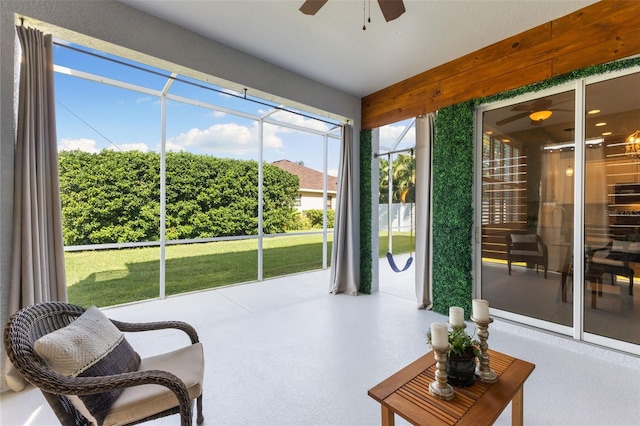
x: 525, y: 245
x: 607, y: 261
x: 139, y: 402
x: 634, y: 247
x: 618, y: 245
x: 90, y: 346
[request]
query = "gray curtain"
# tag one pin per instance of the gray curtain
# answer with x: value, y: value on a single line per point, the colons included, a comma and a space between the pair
x: 37, y: 273
x: 344, y: 265
x: 424, y: 142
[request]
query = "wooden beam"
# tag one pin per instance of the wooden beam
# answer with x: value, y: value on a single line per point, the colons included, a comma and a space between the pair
x: 600, y: 33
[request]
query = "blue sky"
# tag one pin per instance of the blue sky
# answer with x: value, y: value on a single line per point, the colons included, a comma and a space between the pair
x: 92, y: 116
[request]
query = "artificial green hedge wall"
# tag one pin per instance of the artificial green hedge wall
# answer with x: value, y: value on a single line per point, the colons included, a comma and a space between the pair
x: 366, y: 212
x: 453, y: 219
x: 452, y: 192
x: 453, y: 207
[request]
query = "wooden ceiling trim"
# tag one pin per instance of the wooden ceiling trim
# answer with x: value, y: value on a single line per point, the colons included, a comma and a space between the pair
x: 618, y: 47
x: 456, y: 90
x: 589, y: 15
x: 599, y: 33
x: 417, y: 84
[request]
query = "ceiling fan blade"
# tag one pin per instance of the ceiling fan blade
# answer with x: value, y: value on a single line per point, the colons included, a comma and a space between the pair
x: 311, y: 7
x: 391, y: 9
x: 512, y: 118
x: 537, y: 105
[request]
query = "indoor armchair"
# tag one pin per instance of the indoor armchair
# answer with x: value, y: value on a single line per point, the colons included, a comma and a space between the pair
x: 614, y: 259
x: 528, y: 248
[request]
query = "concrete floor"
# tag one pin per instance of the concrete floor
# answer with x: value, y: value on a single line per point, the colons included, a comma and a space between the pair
x: 286, y: 352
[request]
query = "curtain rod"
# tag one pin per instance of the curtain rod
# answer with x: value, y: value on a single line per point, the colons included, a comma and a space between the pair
x: 202, y: 86
x: 380, y: 154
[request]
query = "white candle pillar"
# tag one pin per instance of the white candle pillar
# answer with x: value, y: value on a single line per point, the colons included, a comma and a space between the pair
x: 456, y: 316
x: 439, y: 335
x: 480, y: 309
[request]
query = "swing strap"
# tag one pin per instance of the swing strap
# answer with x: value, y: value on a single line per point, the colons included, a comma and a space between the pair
x: 393, y: 265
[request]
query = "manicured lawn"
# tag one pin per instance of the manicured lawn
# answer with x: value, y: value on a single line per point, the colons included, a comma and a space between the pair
x: 112, y: 277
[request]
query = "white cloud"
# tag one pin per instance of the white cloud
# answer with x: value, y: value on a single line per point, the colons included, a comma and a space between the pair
x: 90, y: 146
x: 229, y: 138
x: 218, y: 114
x: 142, y: 147
x: 83, y: 144
x: 228, y: 93
x: 170, y: 146
x: 332, y: 172
x: 390, y: 133
x: 299, y: 120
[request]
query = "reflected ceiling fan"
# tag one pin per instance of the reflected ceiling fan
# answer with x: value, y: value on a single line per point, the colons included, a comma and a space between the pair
x: 391, y: 9
x: 537, y: 111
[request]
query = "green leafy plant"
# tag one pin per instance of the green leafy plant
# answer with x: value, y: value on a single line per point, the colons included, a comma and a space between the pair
x: 462, y: 345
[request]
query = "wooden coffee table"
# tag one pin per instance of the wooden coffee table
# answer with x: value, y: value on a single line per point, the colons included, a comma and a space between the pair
x: 406, y: 393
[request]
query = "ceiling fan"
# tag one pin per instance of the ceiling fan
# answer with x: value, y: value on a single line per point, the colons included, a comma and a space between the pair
x: 391, y: 9
x: 538, y: 111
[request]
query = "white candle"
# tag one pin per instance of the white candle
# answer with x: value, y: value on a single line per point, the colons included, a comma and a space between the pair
x: 480, y: 309
x: 439, y: 336
x: 456, y: 316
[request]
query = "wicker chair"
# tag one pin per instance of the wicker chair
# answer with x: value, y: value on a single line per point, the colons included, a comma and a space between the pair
x: 35, y: 321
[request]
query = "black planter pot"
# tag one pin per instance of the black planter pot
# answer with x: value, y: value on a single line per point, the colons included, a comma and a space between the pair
x: 461, y: 370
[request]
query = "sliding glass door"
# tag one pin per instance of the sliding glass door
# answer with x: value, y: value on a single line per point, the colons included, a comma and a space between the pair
x: 552, y: 164
x: 527, y: 206
x: 612, y: 209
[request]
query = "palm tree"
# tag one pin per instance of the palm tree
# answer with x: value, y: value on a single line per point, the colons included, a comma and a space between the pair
x: 403, y: 176
x: 383, y: 180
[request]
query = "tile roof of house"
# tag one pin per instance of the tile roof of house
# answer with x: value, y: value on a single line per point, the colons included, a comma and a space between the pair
x: 310, y: 179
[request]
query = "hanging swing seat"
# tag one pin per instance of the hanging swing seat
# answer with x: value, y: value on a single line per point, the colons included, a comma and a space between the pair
x: 393, y: 265
x: 392, y: 262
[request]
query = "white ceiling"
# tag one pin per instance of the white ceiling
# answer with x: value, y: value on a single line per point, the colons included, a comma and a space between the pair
x: 331, y: 46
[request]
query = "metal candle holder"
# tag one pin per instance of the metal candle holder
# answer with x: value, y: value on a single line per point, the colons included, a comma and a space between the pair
x: 483, y: 372
x: 440, y: 388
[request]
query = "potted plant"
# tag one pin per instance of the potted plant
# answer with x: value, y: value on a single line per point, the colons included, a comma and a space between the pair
x: 461, y: 361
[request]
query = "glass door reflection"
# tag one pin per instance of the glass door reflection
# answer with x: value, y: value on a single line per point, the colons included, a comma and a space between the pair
x: 612, y: 209
x: 527, y: 207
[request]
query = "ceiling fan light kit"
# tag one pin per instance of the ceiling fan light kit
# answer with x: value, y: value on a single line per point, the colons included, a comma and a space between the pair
x: 540, y: 115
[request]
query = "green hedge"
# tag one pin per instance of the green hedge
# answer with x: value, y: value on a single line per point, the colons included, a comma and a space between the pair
x: 114, y: 197
x: 366, y: 212
x: 452, y: 191
x: 315, y: 217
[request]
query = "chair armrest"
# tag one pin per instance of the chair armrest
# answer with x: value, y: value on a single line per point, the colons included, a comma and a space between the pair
x: 606, y: 247
x: 160, y: 325
x: 68, y: 385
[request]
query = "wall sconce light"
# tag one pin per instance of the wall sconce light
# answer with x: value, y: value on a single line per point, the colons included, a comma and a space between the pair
x: 569, y: 171
x: 632, y: 146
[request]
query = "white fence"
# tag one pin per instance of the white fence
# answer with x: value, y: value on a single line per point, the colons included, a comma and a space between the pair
x: 400, y: 217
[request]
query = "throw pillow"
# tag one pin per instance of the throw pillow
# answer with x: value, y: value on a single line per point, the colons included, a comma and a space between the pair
x: 90, y: 346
